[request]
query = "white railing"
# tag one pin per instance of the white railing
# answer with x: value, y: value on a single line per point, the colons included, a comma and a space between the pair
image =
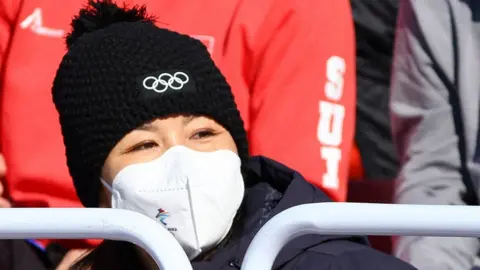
x: 321, y: 218
x: 358, y: 219
x: 96, y: 223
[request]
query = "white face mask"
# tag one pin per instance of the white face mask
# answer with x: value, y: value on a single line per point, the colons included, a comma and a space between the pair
x: 195, y: 195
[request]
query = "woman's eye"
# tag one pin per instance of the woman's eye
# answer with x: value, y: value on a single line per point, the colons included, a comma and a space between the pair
x: 202, y: 134
x: 144, y: 146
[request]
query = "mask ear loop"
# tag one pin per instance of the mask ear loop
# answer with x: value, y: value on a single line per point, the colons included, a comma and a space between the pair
x: 106, y: 185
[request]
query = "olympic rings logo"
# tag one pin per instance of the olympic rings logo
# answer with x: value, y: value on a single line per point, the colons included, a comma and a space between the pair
x: 164, y: 81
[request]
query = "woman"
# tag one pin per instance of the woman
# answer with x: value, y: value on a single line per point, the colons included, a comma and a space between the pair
x: 150, y: 125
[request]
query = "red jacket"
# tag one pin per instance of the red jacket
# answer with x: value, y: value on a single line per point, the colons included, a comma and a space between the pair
x: 290, y: 64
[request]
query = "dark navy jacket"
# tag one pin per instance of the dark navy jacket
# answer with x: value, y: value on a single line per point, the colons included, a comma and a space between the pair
x: 274, y: 188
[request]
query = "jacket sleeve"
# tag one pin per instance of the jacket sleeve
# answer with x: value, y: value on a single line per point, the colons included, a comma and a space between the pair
x: 346, y: 255
x: 303, y: 91
x: 424, y: 131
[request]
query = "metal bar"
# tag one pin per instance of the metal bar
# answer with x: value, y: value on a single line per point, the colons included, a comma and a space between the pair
x: 358, y: 219
x: 80, y: 223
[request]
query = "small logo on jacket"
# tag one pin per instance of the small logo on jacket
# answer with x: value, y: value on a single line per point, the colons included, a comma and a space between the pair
x: 34, y: 22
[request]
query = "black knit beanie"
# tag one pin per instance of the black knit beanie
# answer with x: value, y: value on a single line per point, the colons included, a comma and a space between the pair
x: 121, y: 71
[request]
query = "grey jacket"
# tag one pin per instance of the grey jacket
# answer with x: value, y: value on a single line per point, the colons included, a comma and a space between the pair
x: 435, y: 98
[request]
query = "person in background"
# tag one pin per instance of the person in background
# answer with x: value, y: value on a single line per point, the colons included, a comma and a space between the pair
x: 374, y: 159
x: 150, y: 124
x: 290, y: 63
x: 374, y: 33
x: 435, y: 105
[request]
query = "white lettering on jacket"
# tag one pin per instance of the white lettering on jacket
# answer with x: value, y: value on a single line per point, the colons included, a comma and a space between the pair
x: 330, y: 123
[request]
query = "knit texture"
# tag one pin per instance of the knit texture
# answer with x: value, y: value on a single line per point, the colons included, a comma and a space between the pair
x: 99, y: 98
